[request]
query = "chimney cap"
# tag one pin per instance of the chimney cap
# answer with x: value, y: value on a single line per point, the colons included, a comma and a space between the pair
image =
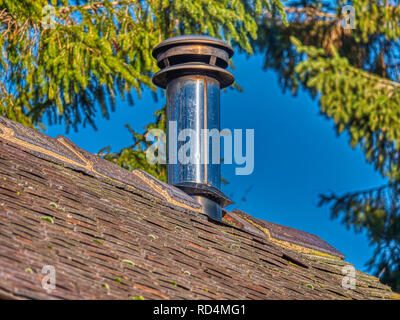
x: 192, y: 39
x: 193, y: 55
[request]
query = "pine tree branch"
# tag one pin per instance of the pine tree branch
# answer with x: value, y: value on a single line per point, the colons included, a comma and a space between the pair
x: 383, y: 82
x: 309, y: 11
x: 360, y: 192
x: 94, y: 5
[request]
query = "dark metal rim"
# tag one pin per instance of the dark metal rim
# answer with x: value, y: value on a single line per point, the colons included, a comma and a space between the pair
x: 162, y: 77
x: 210, y: 208
x: 186, y: 40
x: 200, y: 189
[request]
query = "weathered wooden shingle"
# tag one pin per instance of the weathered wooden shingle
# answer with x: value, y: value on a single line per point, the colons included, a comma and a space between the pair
x: 114, y: 234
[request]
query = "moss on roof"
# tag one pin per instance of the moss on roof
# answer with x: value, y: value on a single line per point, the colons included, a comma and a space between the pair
x: 114, y: 234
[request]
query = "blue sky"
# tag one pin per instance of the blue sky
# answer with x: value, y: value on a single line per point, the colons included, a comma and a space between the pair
x: 297, y: 154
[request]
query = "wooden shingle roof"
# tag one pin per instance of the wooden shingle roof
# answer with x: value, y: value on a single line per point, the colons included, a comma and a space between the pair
x: 115, y: 234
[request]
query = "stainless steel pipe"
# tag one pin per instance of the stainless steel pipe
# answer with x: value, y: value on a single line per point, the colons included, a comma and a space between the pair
x: 193, y: 105
x: 193, y: 72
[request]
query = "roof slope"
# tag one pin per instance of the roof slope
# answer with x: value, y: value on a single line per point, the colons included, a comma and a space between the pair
x: 115, y: 234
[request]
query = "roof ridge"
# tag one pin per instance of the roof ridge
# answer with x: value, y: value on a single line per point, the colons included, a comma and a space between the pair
x: 63, y: 151
x: 293, y: 239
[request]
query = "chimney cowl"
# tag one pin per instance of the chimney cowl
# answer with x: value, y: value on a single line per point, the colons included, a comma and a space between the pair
x: 193, y: 72
x: 193, y: 54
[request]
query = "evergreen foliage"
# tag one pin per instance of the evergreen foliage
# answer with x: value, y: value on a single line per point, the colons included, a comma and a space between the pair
x: 354, y: 75
x: 101, y: 50
x: 98, y: 50
x: 133, y: 156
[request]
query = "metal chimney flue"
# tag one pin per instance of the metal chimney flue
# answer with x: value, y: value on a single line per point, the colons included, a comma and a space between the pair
x: 193, y: 72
